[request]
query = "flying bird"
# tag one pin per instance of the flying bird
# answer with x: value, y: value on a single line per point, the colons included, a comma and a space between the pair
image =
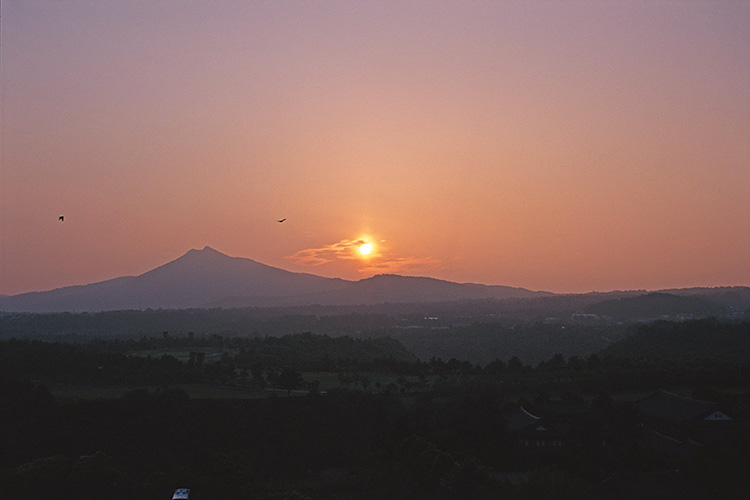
x: 62, y: 218
x: 282, y: 220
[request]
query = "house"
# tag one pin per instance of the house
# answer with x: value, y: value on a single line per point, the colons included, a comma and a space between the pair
x: 676, y: 410
x: 560, y: 427
x: 535, y: 435
x: 676, y: 426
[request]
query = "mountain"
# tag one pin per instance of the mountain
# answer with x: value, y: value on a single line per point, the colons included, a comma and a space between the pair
x: 198, y: 278
x: 208, y: 278
x: 385, y: 288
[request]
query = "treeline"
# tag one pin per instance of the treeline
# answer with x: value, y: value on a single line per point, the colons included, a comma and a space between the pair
x: 66, y: 363
x: 477, y: 339
x: 257, y: 322
x: 466, y: 331
x: 123, y: 362
x: 531, y: 342
x: 537, y: 342
x: 702, y: 353
x: 704, y: 338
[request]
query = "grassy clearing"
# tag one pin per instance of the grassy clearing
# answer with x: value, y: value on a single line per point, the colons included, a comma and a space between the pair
x: 373, y: 382
x: 76, y: 391
x: 183, y: 354
x: 195, y: 391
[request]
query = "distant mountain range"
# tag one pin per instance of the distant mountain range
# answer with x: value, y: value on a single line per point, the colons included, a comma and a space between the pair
x: 208, y: 278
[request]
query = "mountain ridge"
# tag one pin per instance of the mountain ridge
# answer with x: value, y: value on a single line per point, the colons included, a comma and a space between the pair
x: 207, y: 278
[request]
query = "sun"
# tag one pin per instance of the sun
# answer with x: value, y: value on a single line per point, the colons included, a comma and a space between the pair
x: 365, y: 248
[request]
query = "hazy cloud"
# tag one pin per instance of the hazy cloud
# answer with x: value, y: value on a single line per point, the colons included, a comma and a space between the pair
x: 344, y: 249
x: 375, y: 263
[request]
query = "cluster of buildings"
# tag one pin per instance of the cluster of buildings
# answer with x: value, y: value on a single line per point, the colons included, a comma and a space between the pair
x: 665, y: 423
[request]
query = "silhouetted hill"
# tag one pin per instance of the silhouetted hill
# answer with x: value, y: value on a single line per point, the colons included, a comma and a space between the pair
x: 735, y: 298
x: 391, y: 288
x: 658, y: 305
x: 704, y: 338
x: 531, y: 343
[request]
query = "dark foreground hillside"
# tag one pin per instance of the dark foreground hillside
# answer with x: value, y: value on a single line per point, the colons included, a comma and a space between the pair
x: 340, y: 423
x: 350, y: 445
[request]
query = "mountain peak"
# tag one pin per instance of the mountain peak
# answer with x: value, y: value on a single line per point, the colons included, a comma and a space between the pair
x: 207, y: 249
x: 205, y: 254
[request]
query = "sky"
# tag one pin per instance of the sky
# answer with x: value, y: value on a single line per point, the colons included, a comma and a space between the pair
x: 561, y: 146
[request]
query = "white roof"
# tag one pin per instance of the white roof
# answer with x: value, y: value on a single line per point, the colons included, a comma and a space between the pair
x: 181, y: 494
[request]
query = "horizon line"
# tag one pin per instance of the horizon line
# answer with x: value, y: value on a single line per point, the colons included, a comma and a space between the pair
x: 210, y: 248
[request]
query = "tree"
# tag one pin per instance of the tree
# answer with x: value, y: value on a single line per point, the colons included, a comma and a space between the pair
x: 290, y: 379
x: 514, y: 365
x: 256, y: 369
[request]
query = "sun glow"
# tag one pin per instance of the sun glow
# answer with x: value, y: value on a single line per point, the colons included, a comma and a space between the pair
x: 365, y: 248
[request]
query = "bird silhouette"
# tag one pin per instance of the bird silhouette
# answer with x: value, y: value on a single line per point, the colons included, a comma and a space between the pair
x: 282, y: 220
x: 62, y: 218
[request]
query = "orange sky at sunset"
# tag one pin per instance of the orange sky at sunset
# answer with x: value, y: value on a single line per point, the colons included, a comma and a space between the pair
x: 561, y: 146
